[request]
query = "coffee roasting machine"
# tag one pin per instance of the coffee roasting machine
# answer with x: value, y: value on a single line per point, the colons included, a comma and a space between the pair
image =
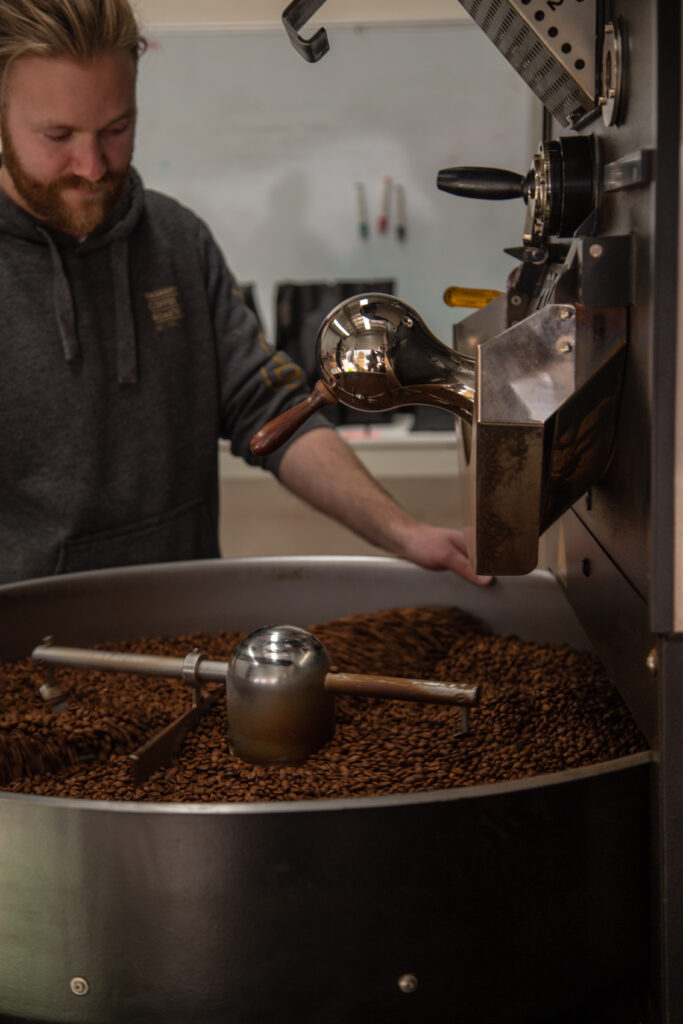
x: 546, y: 901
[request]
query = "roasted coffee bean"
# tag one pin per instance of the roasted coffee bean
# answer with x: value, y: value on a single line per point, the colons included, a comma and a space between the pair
x: 544, y: 709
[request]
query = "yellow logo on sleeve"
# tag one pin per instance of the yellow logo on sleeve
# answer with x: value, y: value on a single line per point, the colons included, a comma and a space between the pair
x: 279, y: 372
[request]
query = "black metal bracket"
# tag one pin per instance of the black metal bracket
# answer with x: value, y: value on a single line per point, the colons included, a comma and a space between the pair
x: 294, y: 17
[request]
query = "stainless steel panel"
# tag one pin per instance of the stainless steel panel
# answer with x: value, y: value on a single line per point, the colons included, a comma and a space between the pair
x: 244, y: 593
x: 621, y: 508
x: 546, y: 61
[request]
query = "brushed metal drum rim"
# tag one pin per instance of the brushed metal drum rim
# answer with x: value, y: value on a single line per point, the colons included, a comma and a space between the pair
x: 491, y: 789
x: 538, y: 590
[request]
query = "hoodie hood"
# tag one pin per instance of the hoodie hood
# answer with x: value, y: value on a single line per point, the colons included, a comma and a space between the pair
x: 112, y: 233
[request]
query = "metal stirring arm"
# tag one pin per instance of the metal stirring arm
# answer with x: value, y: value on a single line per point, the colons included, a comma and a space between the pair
x: 464, y: 695
x: 163, y: 748
x: 194, y: 669
x: 288, y: 696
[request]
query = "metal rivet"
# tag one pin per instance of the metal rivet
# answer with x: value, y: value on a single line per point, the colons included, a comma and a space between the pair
x: 79, y: 986
x: 515, y: 300
x: 565, y: 347
x: 566, y: 314
x: 408, y: 322
x: 407, y: 983
x: 651, y: 661
x: 596, y: 251
x: 537, y: 254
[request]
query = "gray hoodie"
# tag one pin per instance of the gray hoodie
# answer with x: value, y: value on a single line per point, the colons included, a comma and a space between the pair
x: 123, y: 359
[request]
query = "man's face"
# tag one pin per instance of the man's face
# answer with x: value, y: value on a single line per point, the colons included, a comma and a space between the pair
x: 67, y: 137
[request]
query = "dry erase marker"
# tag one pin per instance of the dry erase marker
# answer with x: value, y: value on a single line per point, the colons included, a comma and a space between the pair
x: 400, y: 213
x: 383, y: 219
x: 362, y: 210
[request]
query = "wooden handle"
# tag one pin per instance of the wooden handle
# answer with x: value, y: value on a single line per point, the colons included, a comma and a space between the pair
x: 426, y: 690
x: 279, y: 430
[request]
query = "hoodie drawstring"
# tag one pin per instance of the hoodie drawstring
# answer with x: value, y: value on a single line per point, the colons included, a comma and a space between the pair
x: 126, y: 346
x: 64, y: 304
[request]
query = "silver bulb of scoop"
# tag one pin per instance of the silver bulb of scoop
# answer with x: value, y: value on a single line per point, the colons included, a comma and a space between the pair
x: 278, y: 709
x: 376, y: 353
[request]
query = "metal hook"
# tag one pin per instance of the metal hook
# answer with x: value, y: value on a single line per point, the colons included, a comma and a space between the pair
x: 295, y: 17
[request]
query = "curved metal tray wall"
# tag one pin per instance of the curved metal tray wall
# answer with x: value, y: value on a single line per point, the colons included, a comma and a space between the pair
x: 520, y: 902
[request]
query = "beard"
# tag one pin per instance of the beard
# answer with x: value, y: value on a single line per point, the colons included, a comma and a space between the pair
x: 47, y: 202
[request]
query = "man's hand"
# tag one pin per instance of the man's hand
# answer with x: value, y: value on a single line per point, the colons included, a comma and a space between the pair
x: 435, y: 547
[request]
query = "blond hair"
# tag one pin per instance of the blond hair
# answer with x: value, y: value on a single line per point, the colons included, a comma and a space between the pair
x: 78, y: 30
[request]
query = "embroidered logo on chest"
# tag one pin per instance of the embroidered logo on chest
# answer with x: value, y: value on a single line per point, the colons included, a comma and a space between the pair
x: 164, y: 305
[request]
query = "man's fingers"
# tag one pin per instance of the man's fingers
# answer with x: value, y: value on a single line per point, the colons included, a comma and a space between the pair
x: 462, y: 566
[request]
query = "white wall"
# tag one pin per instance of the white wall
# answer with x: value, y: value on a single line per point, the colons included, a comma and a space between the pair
x: 267, y: 149
x: 239, y: 13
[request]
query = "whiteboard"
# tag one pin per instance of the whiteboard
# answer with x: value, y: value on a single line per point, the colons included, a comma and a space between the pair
x: 268, y: 150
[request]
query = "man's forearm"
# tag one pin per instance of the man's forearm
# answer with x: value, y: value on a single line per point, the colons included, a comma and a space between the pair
x: 321, y: 468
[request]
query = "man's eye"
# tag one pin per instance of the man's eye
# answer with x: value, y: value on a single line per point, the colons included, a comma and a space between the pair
x: 118, y: 129
x: 58, y: 136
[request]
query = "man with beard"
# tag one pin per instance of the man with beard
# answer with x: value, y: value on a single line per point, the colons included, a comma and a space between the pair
x: 126, y: 348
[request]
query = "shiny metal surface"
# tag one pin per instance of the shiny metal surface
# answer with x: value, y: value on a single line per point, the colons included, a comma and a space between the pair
x: 191, y: 669
x: 560, y: 191
x: 544, y: 198
x: 619, y: 548
x: 243, y: 593
x: 613, y: 79
x: 629, y: 171
x: 160, y: 750
x: 279, y: 711
x: 527, y: 372
x: 542, y: 397
x: 375, y: 352
x: 207, y: 912
x: 559, y: 66
x: 548, y: 392
x: 280, y: 695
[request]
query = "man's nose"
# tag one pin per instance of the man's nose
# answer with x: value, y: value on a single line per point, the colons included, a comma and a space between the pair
x: 88, y: 159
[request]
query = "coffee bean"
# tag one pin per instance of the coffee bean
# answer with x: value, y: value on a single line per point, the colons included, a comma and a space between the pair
x: 544, y: 708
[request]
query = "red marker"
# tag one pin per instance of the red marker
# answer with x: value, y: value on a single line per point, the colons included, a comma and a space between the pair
x: 383, y: 219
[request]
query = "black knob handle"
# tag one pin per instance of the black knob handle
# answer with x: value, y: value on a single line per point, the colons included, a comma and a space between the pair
x: 482, y: 183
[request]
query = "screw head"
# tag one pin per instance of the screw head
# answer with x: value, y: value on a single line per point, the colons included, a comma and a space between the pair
x: 79, y: 986
x: 566, y: 314
x: 407, y: 983
x: 565, y: 347
x: 515, y: 300
x: 596, y: 250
